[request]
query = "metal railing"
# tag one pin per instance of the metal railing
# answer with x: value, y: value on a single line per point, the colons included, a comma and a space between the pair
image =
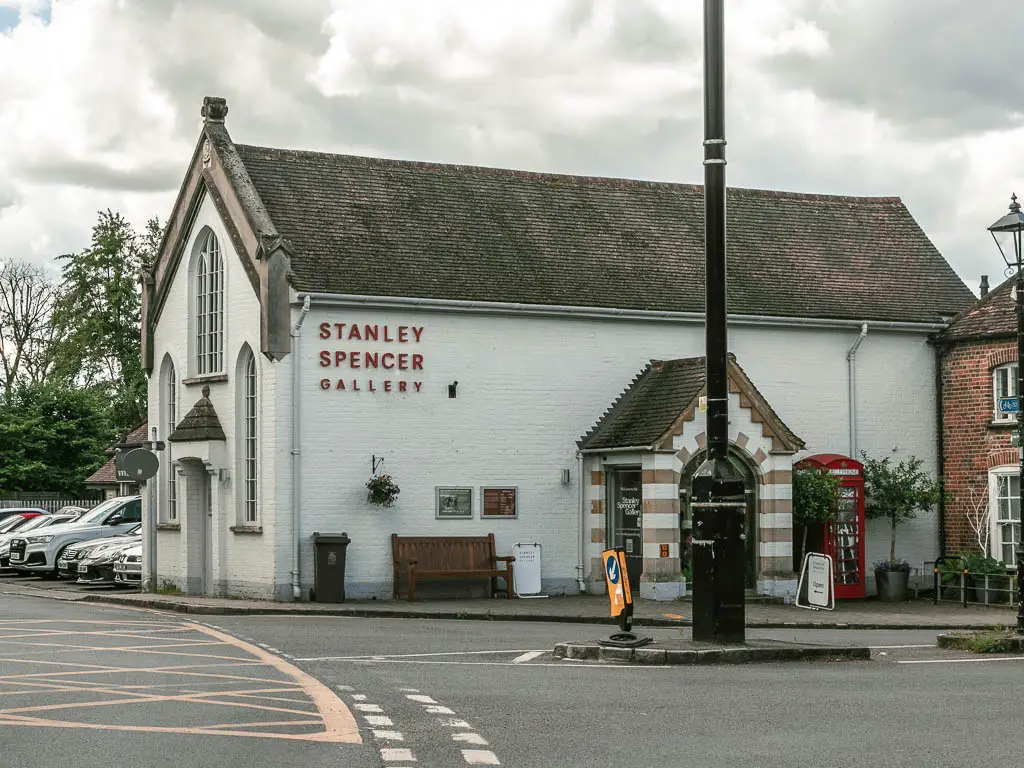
x: 50, y: 505
x: 977, y: 588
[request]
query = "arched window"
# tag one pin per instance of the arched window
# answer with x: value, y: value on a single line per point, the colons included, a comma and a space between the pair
x: 169, y: 395
x: 210, y: 308
x: 248, y: 432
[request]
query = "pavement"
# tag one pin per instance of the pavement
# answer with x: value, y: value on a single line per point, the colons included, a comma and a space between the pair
x: 853, y: 614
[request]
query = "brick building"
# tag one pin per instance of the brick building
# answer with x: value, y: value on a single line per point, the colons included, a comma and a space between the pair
x: 978, y: 361
x: 466, y: 329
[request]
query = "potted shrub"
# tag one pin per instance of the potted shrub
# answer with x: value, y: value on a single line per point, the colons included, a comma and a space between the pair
x: 988, y: 578
x: 895, y: 492
x: 814, y: 505
x: 382, y: 490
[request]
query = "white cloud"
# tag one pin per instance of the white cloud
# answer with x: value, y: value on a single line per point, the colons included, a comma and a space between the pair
x: 99, y: 106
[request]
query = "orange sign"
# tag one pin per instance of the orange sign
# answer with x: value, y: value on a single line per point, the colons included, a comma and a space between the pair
x: 617, y: 579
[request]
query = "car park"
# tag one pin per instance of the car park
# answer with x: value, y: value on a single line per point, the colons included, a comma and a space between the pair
x: 38, y: 553
x: 128, y: 567
x: 8, y: 511
x: 34, y: 524
x: 67, y: 564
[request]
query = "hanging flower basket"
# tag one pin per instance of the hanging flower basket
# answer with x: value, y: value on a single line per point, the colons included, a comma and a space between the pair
x: 382, y: 490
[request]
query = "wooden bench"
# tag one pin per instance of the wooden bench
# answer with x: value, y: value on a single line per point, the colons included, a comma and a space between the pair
x: 419, y: 558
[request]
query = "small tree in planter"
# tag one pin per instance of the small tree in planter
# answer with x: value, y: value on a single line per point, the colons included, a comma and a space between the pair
x: 814, y: 499
x: 382, y: 490
x: 896, y: 492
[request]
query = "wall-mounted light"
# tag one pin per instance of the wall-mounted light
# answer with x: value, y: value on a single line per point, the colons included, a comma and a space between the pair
x: 452, y: 390
x: 565, y: 477
x: 223, y: 474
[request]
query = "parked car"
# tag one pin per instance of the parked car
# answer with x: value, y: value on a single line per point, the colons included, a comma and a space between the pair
x: 97, y: 567
x: 9, y: 524
x: 8, y: 511
x: 39, y: 553
x: 67, y: 564
x: 37, y: 522
x: 128, y: 567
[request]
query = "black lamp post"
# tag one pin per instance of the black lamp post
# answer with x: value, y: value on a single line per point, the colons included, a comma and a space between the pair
x: 1007, y: 232
x: 719, y: 502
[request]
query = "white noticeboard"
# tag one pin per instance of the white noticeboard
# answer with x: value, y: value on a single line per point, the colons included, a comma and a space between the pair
x: 816, y: 590
x: 527, y: 570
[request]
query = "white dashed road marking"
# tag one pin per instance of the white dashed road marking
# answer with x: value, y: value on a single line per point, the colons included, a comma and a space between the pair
x: 368, y: 707
x: 420, y: 698
x: 530, y: 656
x: 378, y: 720
x: 961, y: 661
x: 470, y: 738
x: 480, y: 757
x: 438, y: 710
x: 389, y: 754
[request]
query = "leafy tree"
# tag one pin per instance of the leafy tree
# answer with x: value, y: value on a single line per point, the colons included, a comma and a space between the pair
x: 897, y: 492
x: 814, y: 498
x: 52, y: 437
x: 99, y: 315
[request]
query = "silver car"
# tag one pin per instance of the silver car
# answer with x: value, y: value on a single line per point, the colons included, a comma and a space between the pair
x: 128, y: 567
x: 42, y: 521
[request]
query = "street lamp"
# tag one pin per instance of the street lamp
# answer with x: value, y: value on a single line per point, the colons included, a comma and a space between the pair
x: 1007, y: 232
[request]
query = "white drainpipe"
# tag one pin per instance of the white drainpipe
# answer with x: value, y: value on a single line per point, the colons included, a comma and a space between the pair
x: 851, y: 361
x: 582, y: 554
x: 297, y: 450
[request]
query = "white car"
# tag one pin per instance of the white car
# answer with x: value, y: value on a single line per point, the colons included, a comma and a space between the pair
x: 42, y: 521
x: 39, y: 553
x: 128, y: 566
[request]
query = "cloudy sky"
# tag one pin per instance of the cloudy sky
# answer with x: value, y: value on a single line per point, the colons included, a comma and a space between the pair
x: 924, y: 99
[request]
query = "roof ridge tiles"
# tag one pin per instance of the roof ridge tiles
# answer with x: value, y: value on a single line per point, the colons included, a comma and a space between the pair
x: 568, y: 178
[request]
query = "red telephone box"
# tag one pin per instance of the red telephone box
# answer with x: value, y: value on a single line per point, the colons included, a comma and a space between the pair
x: 844, y: 537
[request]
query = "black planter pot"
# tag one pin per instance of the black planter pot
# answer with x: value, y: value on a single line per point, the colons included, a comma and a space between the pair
x: 892, y: 586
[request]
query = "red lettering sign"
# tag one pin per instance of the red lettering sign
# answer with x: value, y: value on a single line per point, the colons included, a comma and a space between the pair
x: 356, y: 358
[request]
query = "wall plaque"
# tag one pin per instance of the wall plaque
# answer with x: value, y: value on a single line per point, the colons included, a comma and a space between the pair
x: 499, y: 502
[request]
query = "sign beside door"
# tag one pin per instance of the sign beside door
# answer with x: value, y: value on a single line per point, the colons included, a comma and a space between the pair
x: 626, y: 519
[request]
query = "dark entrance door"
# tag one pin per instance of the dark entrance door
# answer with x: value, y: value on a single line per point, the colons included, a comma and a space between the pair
x: 625, y: 519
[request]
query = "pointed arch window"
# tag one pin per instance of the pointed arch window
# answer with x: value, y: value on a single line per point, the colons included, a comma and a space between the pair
x: 210, y: 308
x: 249, y: 432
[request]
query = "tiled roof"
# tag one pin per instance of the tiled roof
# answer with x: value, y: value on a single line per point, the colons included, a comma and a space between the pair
x: 395, y: 228
x: 105, y: 475
x: 137, y: 436
x: 991, y: 316
x: 200, y: 423
x: 666, y: 390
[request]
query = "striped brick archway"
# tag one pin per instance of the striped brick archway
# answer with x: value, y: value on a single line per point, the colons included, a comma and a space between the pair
x: 756, y: 434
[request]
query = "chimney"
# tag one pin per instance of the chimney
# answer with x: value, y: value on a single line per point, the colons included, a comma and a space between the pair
x: 984, y: 285
x: 214, y: 110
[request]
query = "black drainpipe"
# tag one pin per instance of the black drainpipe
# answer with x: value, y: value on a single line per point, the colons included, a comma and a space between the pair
x: 939, y: 352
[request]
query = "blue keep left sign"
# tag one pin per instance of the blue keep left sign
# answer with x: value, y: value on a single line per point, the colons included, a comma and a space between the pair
x: 611, y: 565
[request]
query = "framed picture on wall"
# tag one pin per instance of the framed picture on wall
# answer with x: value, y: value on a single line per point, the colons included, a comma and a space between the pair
x: 454, y: 503
x: 500, y: 503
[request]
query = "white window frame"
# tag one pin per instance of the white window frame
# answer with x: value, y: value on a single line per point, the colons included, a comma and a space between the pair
x: 1003, y: 386
x: 998, y: 524
x: 249, y: 434
x: 171, y: 399
x: 209, y: 308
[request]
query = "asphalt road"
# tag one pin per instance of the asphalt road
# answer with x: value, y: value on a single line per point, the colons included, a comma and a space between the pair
x: 454, y: 693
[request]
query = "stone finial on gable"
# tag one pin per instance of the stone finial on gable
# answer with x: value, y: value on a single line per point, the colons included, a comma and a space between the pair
x: 214, y: 110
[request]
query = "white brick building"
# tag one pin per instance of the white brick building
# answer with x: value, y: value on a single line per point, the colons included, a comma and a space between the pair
x: 470, y: 327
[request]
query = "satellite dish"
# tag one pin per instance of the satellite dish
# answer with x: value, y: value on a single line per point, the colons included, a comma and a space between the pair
x: 141, y: 464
